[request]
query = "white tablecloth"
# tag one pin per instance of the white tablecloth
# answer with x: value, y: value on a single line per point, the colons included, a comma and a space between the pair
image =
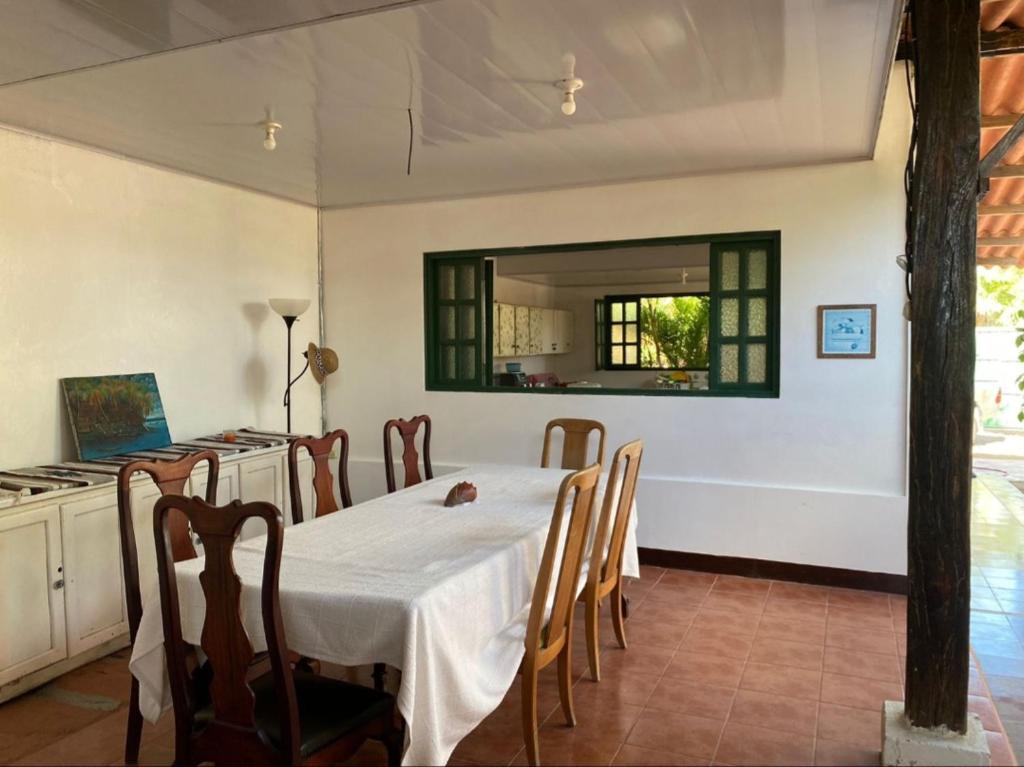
x: 441, y: 593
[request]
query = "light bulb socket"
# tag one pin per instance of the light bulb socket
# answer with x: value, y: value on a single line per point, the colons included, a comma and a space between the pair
x: 271, y: 128
x: 569, y: 86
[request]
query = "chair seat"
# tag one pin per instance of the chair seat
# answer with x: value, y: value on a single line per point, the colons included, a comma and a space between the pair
x: 328, y: 709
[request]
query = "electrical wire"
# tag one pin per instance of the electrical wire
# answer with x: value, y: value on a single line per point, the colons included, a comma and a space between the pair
x: 408, y: 162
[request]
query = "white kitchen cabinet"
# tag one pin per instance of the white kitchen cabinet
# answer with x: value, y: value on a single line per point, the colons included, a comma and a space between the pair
x: 262, y: 479
x: 549, y: 340
x: 536, y: 330
x: 523, y: 331
x: 495, y: 330
x: 506, y: 330
x: 32, y: 622
x: 93, y: 585
x: 522, y: 345
x: 565, y: 331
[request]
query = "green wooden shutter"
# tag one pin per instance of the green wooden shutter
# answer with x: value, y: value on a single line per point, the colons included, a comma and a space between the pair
x: 744, y: 315
x: 622, y: 319
x: 599, y: 335
x: 456, y: 323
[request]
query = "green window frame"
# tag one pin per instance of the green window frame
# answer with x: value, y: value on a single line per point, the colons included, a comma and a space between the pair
x: 462, y: 360
x: 458, y: 326
x: 622, y: 332
x: 744, y: 317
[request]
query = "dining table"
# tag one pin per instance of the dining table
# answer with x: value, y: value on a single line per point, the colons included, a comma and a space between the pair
x: 440, y: 593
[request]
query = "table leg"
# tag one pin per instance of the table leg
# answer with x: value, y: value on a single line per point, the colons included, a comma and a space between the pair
x: 625, y: 606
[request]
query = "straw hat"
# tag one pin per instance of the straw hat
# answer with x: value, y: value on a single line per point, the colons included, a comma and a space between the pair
x: 322, y: 362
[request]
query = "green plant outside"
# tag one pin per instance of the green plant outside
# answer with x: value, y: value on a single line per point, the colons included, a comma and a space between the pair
x: 674, y: 332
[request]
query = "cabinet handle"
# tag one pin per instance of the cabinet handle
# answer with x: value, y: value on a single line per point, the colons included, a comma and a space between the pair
x: 58, y: 585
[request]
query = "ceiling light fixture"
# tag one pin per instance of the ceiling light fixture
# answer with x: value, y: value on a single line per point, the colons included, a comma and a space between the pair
x: 271, y: 127
x: 569, y: 86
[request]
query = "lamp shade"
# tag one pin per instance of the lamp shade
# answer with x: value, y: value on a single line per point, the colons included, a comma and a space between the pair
x: 289, y: 307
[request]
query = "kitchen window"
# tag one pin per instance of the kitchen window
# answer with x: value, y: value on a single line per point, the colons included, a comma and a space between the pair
x: 663, y: 332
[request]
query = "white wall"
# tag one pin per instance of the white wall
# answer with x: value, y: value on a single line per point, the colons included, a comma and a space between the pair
x: 109, y: 266
x: 816, y: 476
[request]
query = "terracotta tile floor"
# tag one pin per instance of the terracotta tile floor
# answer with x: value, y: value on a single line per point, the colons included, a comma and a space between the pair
x: 997, y: 596
x: 720, y: 670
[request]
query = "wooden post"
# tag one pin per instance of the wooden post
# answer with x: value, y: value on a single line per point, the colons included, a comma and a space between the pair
x: 942, y: 362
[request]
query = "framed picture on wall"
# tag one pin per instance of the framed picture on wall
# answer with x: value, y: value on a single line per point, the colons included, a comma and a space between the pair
x: 846, y: 331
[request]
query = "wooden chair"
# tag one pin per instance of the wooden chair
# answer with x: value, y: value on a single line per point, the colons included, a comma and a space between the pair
x: 170, y: 477
x: 410, y: 458
x: 320, y: 451
x: 574, y: 445
x: 284, y: 717
x: 605, y: 574
x: 549, y: 633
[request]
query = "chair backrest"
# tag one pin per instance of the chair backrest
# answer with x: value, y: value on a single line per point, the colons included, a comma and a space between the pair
x: 232, y: 731
x: 574, y: 444
x: 549, y: 630
x: 170, y: 477
x: 410, y: 458
x: 619, y: 494
x: 323, y: 482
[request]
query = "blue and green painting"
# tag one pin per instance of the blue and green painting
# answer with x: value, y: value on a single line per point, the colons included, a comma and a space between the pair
x: 115, y: 414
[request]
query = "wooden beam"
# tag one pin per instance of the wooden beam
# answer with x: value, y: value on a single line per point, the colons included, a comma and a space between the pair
x: 1007, y: 171
x: 945, y: 230
x: 1000, y: 210
x: 1000, y: 242
x: 999, y: 121
x: 998, y: 151
x: 1004, y: 41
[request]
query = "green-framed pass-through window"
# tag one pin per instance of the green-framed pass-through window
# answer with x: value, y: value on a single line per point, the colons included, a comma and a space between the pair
x: 730, y: 330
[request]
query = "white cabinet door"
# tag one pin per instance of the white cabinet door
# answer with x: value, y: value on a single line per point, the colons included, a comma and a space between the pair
x: 261, y: 479
x: 495, y: 330
x: 536, y: 330
x: 522, y: 345
x: 94, y: 588
x: 32, y: 628
x: 506, y: 330
x: 548, y: 334
x: 565, y: 331
x: 305, y: 466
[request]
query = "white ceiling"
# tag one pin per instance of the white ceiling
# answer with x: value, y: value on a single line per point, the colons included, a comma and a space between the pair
x: 39, y: 38
x: 673, y: 87
x: 621, y: 267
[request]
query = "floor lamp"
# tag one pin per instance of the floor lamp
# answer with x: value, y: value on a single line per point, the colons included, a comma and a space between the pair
x: 289, y: 309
